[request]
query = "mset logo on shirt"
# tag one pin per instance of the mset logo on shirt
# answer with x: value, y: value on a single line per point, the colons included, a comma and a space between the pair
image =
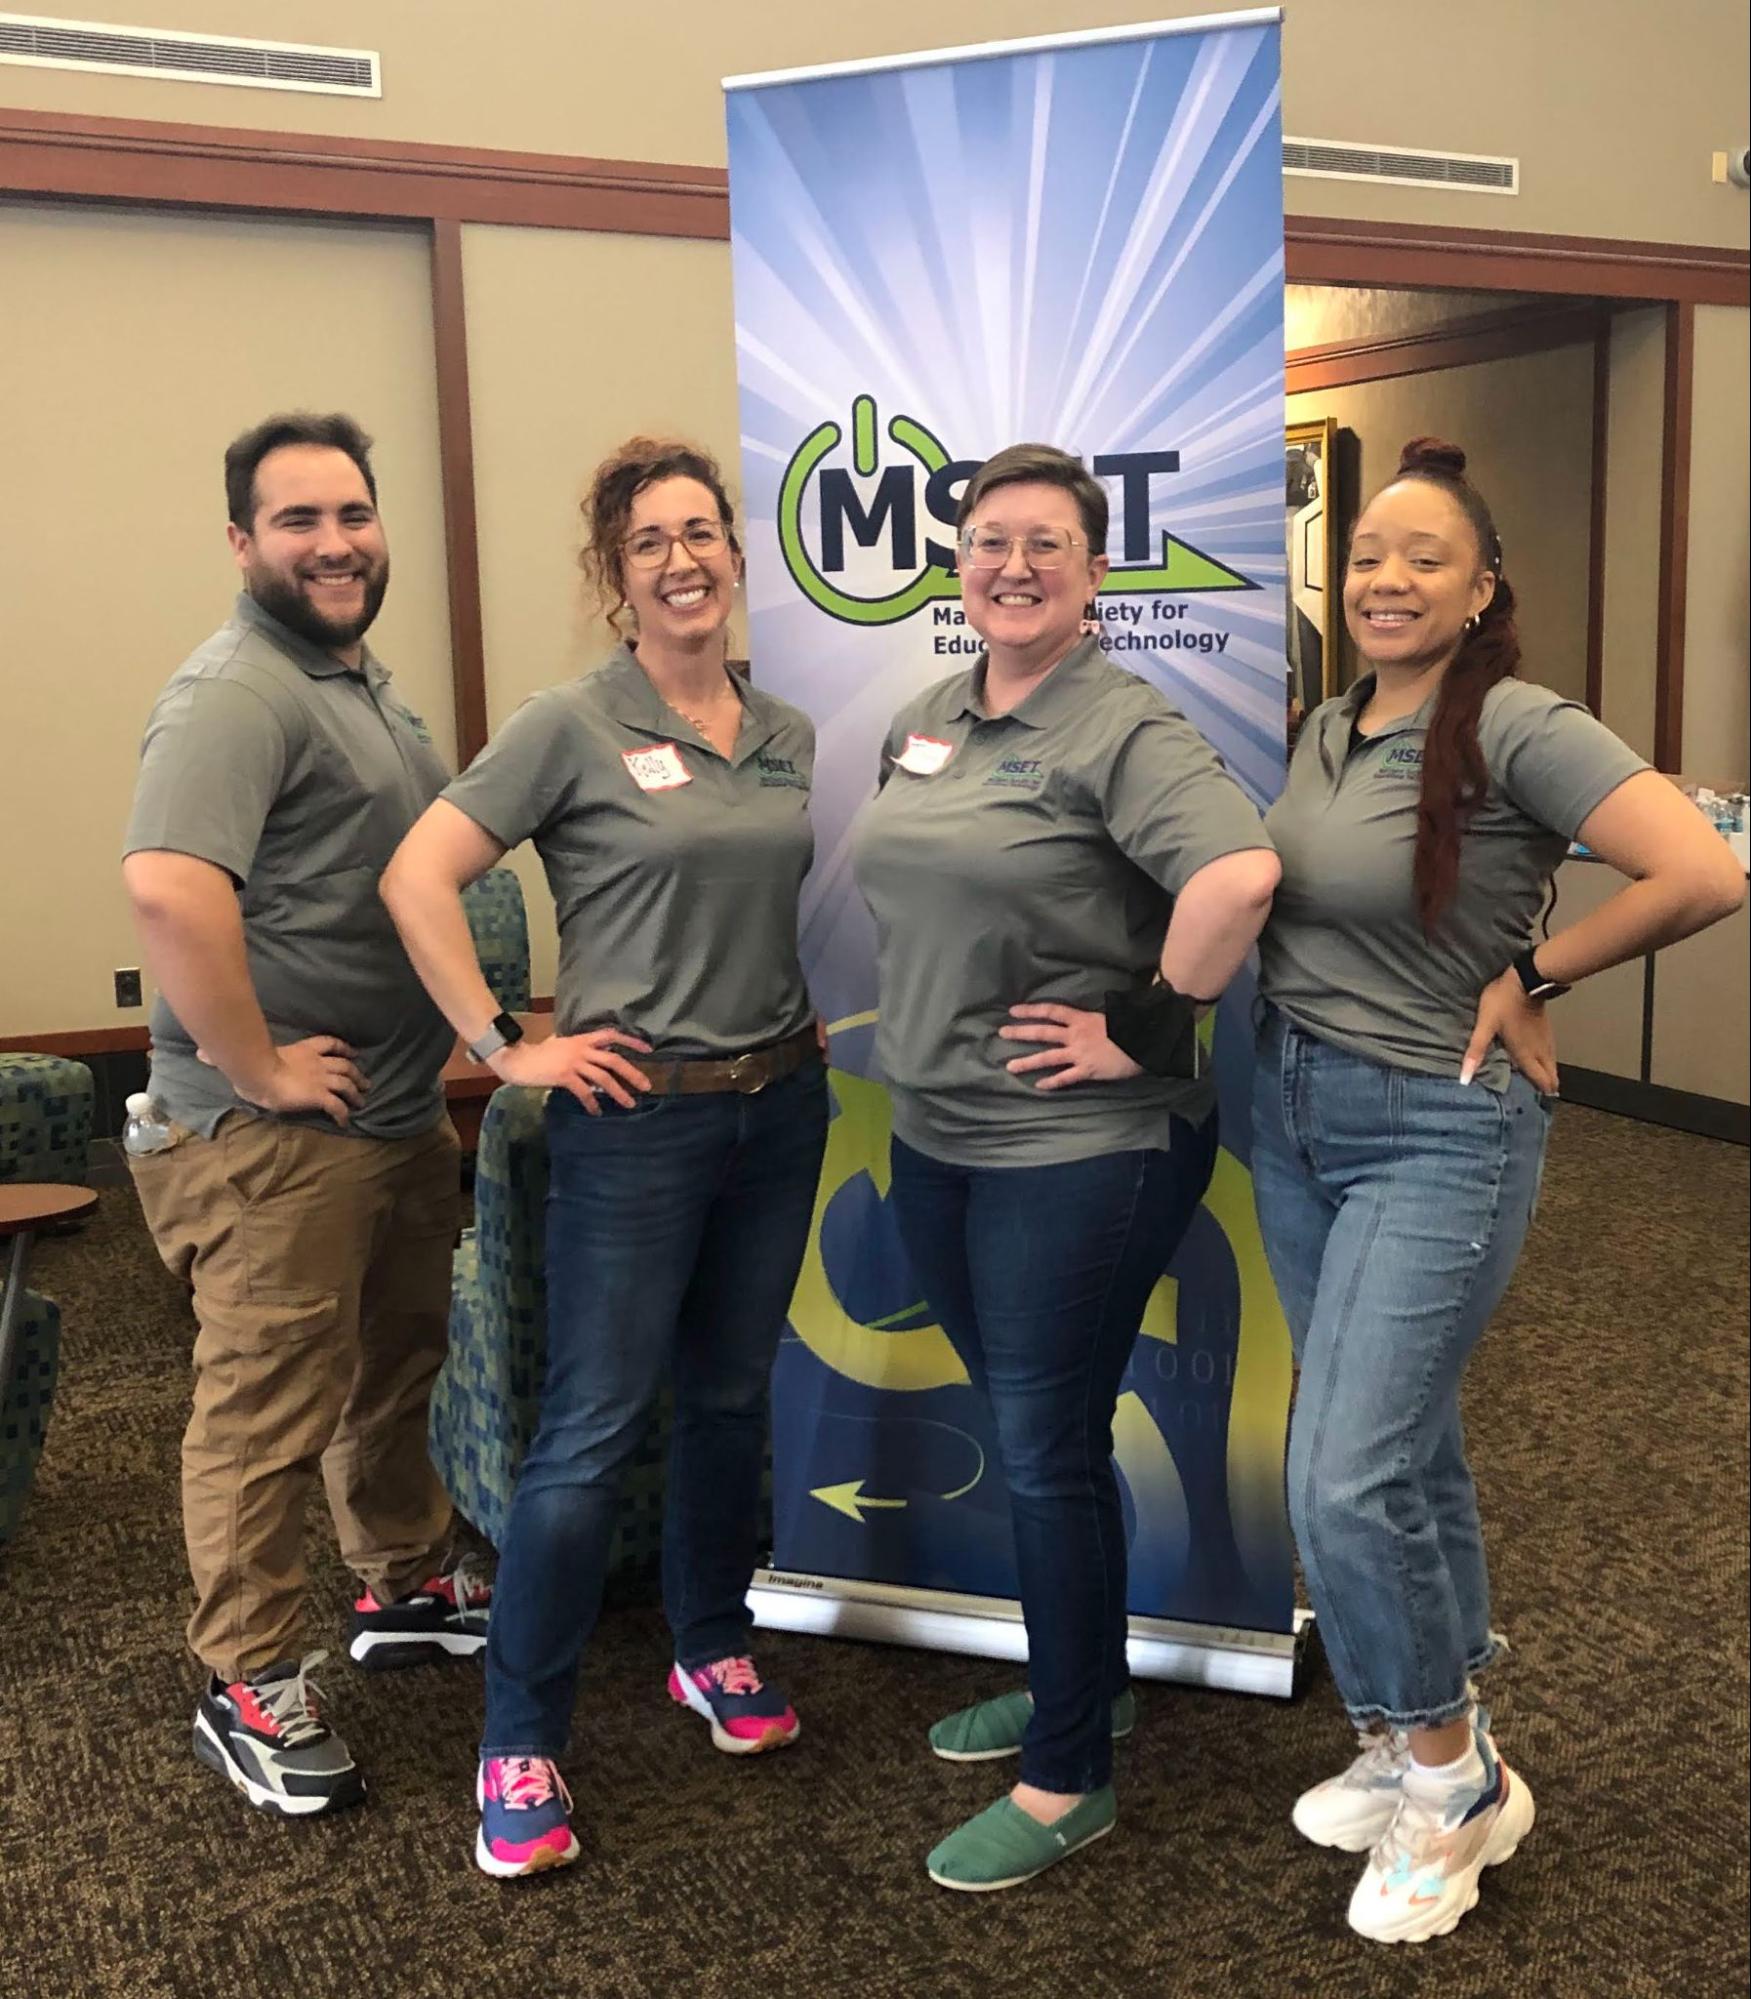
x: 779, y: 773
x: 891, y: 570
x: 1404, y: 759
x: 1018, y: 774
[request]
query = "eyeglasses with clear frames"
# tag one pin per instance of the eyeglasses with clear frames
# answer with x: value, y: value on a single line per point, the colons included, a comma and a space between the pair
x: 1045, y: 548
x: 649, y: 548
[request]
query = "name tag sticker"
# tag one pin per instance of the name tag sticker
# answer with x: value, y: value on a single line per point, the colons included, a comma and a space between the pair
x: 924, y: 756
x: 657, y: 769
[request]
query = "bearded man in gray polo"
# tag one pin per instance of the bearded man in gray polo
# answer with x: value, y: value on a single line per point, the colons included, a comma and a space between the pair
x: 306, y: 1184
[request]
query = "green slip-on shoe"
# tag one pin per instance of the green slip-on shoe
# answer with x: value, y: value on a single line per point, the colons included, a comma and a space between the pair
x: 1003, y: 1846
x: 992, y: 1728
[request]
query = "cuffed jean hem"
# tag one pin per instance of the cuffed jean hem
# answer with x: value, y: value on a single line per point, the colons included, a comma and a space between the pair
x: 1372, y: 1716
x: 1430, y: 1717
x: 502, y: 1755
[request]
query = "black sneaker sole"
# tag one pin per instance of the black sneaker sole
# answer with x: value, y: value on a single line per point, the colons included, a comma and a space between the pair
x: 349, y: 1791
x: 387, y: 1651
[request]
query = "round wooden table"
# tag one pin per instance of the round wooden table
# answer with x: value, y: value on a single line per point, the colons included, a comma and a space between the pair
x: 25, y: 1206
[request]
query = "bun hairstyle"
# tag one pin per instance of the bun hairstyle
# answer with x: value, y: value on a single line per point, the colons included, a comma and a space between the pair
x: 1454, y: 776
x: 607, y: 508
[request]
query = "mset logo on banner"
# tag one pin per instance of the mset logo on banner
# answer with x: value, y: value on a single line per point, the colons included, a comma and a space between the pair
x: 1076, y: 240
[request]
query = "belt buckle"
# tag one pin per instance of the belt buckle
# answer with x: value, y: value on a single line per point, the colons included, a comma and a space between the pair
x: 740, y: 1068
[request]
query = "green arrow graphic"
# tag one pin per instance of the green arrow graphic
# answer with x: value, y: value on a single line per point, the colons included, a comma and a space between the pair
x: 850, y: 1499
x: 1182, y: 567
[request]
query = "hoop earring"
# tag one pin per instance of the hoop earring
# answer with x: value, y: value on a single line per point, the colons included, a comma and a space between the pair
x: 1471, y: 624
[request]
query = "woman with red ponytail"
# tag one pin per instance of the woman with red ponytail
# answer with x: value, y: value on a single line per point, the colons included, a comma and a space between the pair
x: 1403, y: 1095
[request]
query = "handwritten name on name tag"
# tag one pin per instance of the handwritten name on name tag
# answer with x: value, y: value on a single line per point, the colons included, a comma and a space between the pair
x: 657, y: 769
x: 924, y: 756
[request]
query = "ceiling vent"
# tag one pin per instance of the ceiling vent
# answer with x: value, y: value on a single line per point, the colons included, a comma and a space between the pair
x: 41, y: 43
x: 1402, y: 166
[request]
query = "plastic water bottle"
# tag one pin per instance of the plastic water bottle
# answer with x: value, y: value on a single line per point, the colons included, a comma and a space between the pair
x: 146, y: 1129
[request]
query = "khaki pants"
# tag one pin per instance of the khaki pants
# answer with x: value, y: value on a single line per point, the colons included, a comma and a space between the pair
x: 321, y: 1273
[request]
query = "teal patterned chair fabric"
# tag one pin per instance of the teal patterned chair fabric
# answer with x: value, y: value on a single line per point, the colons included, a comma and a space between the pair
x: 45, y: 1118
x: 486, y: 1398
x: 24, y: 1419
x: 500, y: 924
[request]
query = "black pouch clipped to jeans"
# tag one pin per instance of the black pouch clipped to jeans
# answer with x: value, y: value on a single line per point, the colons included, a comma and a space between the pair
x: 1158, y: 1028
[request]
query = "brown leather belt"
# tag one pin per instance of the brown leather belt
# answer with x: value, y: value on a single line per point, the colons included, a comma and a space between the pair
x: 744, y: 1074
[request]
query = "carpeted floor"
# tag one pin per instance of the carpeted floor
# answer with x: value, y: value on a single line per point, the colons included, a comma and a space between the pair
x: 1608, y: 1422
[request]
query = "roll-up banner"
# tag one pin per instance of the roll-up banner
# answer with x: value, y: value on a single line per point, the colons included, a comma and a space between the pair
x: 1076, y: 240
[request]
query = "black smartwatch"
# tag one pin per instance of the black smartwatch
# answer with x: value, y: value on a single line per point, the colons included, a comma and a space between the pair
x: 1158, y: 1028
x: 502, y: 1031
x: 1538, y: 987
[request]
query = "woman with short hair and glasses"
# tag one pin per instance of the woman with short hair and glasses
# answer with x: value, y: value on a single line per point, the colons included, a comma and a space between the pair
x: 1060, y: 871
x: 669, y: 801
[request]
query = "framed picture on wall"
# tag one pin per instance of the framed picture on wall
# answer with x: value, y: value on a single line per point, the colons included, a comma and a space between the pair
x: 1310, y: 465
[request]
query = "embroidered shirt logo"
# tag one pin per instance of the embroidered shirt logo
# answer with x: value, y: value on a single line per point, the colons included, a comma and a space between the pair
x: 1018, y: 774
x: 779, y: 773
x: 1404, y: 759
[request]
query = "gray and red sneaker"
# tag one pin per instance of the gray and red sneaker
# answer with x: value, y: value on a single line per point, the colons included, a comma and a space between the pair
x: 445, y: 1618
x: 746, y: 1716
x: 263, y: 1734
x: 525, y: 1817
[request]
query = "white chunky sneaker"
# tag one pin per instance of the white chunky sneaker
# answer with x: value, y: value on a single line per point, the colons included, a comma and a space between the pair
x: 1423, y: 1875
x: 1354, y: 1809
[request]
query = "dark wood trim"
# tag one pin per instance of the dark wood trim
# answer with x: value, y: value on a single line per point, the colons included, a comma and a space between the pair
x: 1655, y: 1103
x: 1486, y: 336
x: 456, y: 475
x: 77, y: 1041
x: 1674, y: 536
x: 1324, y: 249
x: 203, y: 166
x: 1596, y: 516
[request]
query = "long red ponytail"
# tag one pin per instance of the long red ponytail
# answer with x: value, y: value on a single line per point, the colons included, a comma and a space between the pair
x: 1454, y: 777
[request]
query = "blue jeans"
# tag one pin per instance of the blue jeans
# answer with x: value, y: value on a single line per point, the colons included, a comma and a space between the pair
x: 1393, y: 1206
x: 1039, y: 1275
x: 675, y: 1232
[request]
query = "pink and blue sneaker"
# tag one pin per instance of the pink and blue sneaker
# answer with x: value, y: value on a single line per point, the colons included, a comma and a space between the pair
x: 746, y: 1716
x: 525, y: 1817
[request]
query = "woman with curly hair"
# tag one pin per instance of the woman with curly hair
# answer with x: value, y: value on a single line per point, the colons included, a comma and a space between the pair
x: 669, y: 801
x: 1402, y: 1101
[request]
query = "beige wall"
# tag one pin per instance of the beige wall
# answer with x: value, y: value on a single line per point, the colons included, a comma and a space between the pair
x: 1526, y: 427
x: 1717, y: 647
x: 575, y: 343
x: 1613, y: 109
x: 132, y: 348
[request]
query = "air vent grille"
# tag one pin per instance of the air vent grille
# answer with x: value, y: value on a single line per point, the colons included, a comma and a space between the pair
x: 1405, y: 166
x: 40, y: 43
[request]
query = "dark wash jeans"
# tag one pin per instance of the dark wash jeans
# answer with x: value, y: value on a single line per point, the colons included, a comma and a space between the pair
x: 675, y: 1232
x: 1039, y: 1275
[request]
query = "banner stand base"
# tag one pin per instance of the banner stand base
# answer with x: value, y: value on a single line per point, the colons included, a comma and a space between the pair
x: 990, y: 1627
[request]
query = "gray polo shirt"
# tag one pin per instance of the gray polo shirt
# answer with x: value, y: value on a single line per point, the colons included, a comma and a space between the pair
x: 1032, y: 856
x: 675, y: 871
x: 1344, y: 953
x: 298, y: 776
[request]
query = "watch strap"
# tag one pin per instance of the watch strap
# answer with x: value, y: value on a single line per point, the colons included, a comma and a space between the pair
x: 502, y: 1031
x: 1536, y: 985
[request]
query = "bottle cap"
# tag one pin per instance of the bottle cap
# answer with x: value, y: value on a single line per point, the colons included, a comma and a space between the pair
x: 139, y: 1105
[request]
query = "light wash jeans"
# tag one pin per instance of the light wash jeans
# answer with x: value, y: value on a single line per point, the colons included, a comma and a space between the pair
x: 1393, y: 1206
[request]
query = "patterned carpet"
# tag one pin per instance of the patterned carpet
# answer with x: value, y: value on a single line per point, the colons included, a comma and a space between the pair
x: 1608, y: 1420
